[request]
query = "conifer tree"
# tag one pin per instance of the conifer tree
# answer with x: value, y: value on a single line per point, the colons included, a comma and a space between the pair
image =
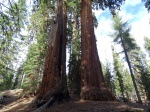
x: 108, y: 76
x: 122, y: 36
x: 12, y: 20
x: 39, y: 27
x: 147, y: 44
x: 118, y: 68
x: 74, y: 45
x: 140, y: 68
x: 123, y: 81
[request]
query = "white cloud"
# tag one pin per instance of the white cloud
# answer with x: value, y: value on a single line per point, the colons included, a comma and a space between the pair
x: 132, y: 2
x: 126, y: 15
x: 140, y: 27
x: 103, y: 40
x: 97, y: 12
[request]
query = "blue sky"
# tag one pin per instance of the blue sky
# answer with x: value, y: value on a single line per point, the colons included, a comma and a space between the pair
x: 132, y: 11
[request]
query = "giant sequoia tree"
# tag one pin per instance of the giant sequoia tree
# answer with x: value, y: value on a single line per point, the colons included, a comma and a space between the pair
x: 93, y: 86
x: 54, y: 83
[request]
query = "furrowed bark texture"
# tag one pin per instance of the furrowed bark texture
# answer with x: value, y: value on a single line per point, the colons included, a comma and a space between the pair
x: 54, y: 81
x: 93, y: 86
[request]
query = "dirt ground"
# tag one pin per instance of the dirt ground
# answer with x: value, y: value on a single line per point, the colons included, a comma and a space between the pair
x: 12, y: 103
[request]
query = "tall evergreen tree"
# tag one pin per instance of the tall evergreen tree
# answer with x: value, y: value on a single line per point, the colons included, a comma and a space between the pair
x: 147, y: 44
x: 140, y: 68
x: 118, y: 68
x: 74, y: 45
x: 12, y: 20
x: 146, y: 80
x: 122, y: 36
x: 122, y: 78
x: 108, y: 77
x: 38, y: 39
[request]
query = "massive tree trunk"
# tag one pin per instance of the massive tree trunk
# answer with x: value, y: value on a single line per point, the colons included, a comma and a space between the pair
x: 93, y: 86
x: 54, y: 83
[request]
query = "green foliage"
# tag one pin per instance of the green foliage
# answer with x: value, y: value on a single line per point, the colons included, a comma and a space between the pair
x: 111, y: 4
x: 127, y: 81
x: 118, y: 66
x: 74, y: 45
x: 122, y: 31
x: 147, y: 44
x: 38, y: 37
x: 147, y: 4
x: 122, y: 36
x: 74, y: 73
x: 30, y: 84
x: 132, y: 51
x: 107, y: 75
x: 18, y: 78
x: 123, y: 80
x: 146, y: 81
x: 141, y: 70
x: 12, y: 21
x: 95, y: 21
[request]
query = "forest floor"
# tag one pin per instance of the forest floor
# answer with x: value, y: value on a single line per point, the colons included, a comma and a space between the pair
x: 12, y: 103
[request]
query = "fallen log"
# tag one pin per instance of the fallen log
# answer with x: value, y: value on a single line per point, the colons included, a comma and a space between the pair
x: 45, y: 105
x: 57, y: 97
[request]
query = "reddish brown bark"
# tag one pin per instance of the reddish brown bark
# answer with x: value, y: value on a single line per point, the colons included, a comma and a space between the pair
x: 64, y: 15
x: 93, y: 86
x: 54, y: 76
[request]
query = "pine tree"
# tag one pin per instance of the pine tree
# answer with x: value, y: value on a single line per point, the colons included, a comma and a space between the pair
x: 141, y: 70
x: 12, y: 20
x: 122, y: 78
x: 146, y: 80
x: 118, y: 68
x: 147, y: 44
x: 108, y: 76
x: 38, y: 29
x: 74, y: 45
x: 122, y: 36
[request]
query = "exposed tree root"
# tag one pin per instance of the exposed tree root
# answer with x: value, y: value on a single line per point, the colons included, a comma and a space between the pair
x: 57, y: 94
x: 45, y: 105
